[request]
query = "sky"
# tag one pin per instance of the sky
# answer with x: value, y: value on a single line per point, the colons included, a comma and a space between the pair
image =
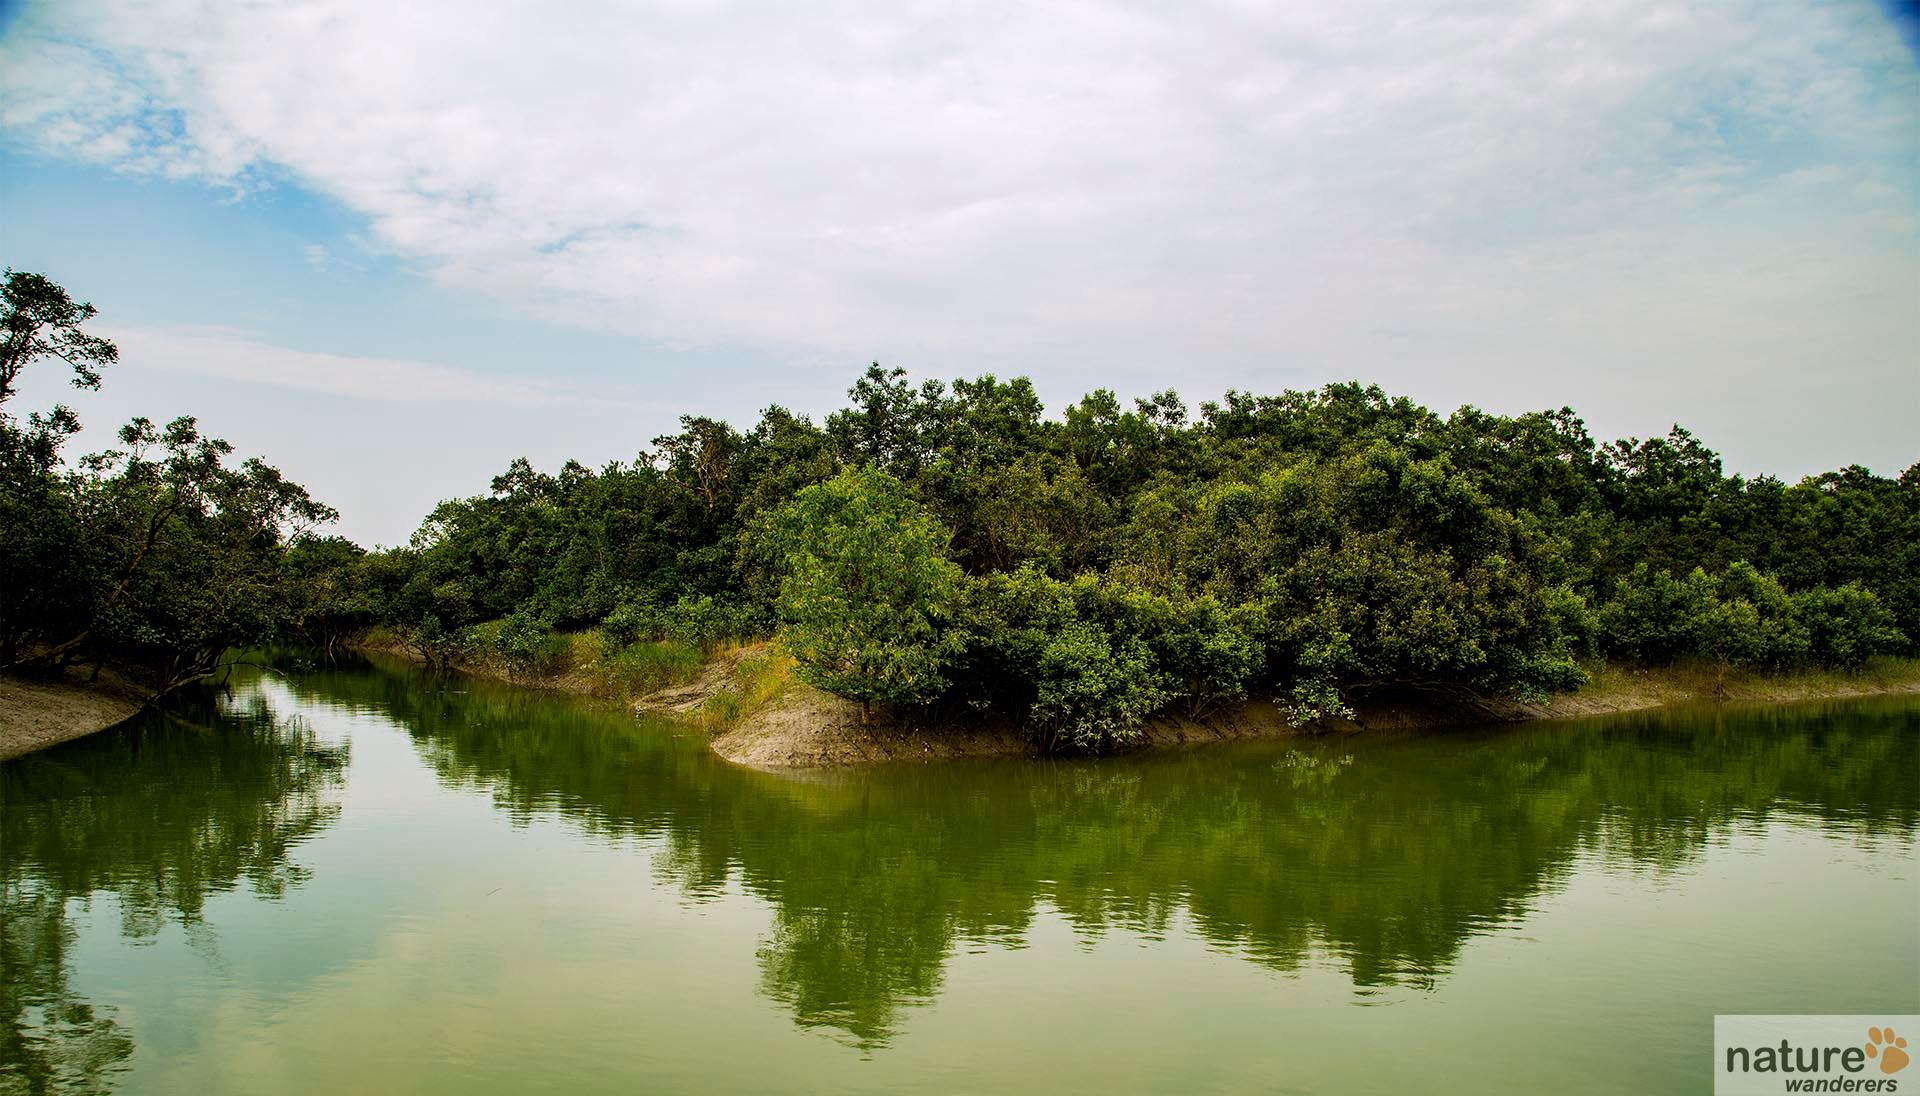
x: 393, y: 246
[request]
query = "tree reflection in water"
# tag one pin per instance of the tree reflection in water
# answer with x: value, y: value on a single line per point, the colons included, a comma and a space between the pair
x: 1381, y: 856
x: 159, y: 815
x: 1378, y: 857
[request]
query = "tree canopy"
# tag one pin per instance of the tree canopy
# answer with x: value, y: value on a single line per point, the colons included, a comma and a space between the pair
x: 951, y: 544
x: 161, y: 554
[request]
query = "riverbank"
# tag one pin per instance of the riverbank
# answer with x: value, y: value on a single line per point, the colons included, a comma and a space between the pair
x: 39, y: 712
x: 801, y: 727
x: 760, y: 715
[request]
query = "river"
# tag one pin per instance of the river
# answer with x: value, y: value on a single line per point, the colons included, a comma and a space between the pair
x: 368, y: 879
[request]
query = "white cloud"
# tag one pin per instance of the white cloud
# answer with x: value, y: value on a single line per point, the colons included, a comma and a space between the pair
x: 236, y: 355
x: 1546, y: 200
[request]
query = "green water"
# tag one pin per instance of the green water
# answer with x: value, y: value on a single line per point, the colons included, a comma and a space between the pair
x: 371, y: 881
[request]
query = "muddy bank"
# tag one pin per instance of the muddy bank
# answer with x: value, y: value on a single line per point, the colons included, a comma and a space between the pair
x: 806, y: 728
x: 802, y: 727
x: 784, y: 724
x: 39, y: 712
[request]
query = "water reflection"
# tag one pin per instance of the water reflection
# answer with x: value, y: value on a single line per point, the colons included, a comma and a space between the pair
x: 1383, y: 857
x: 158, y: 816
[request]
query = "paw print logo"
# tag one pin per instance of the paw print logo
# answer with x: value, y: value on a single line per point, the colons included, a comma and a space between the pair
x: 1889, y: 1048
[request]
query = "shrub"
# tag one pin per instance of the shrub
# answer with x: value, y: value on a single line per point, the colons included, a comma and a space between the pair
x: 1744, y: 617
x: 1094, y: 689
x: 1652, y: 616
x: 1206, y: 653
x: 1076, y: 660
x: 867, y: 591
x: 632, y: 619
x: 529, y: 644
x: 705, y: 623
x: 1846, y: 626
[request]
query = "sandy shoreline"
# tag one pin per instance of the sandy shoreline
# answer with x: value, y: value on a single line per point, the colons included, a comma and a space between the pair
x: 36, y: 713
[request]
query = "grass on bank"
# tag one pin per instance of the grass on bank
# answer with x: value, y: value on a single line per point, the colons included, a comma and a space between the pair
x: 758, y: 678
x: 584, y: 661
x: 1701, y: 679
x: 630, y: 672
x: 589, y: 661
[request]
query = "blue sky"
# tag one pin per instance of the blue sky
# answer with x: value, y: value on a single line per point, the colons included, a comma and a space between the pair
x: 391, y: 247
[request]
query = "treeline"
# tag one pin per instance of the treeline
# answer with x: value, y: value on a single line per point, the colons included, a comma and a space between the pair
x: 952, y: 545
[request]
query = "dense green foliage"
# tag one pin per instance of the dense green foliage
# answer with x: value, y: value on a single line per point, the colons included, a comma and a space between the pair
x: 158, y: 555
x: 954, y: 546
x: 867, y: 590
